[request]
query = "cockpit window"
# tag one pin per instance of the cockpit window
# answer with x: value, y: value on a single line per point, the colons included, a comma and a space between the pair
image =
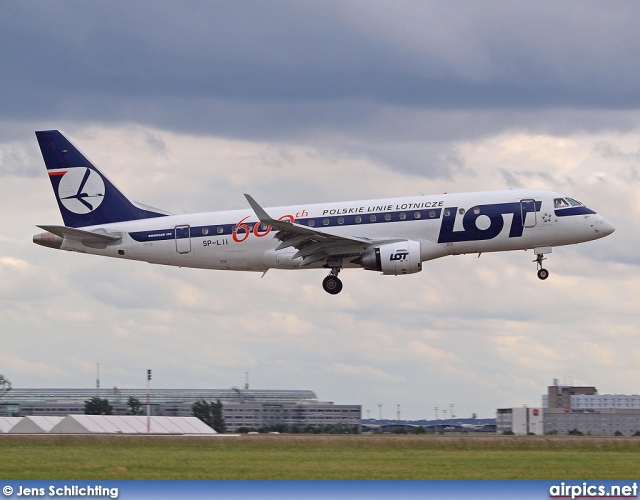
x: 574, y: 203
x: 560, y: 203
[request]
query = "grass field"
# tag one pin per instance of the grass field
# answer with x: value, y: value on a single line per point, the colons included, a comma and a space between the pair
x: 318, y: 457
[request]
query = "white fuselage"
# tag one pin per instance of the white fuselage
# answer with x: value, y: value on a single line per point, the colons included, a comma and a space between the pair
x: 446, y: 224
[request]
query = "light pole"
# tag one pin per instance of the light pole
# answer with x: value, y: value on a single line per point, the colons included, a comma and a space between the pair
x: 148, y: 401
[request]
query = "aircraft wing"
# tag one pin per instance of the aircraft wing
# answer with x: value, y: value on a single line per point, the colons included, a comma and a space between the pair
x: 312, y: 244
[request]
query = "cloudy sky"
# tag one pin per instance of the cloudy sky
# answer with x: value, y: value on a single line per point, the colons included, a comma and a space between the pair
x: 187, y: 105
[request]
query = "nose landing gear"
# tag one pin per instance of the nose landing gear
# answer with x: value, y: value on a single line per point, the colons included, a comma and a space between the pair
x: 543, y: 274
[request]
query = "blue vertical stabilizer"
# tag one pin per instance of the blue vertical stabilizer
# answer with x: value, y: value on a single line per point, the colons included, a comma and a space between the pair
x: 85, y: 196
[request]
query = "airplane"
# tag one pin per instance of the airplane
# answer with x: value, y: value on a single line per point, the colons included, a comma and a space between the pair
x: 393, y: 236
x: 472, y: 427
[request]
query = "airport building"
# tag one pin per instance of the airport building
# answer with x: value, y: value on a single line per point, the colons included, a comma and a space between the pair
x: 523, y: 420
x: 314, y: 413
x: 582, y: 409
x: 241, y: 407
x: 569, y: 409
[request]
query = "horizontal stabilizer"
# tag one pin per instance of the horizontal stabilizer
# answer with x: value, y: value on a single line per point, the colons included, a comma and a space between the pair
x: 80, y: 235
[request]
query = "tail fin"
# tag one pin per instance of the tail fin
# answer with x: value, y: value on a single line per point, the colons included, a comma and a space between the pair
x: 85, y: 196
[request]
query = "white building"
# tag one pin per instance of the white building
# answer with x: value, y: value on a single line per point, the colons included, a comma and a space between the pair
x: 522, y: 420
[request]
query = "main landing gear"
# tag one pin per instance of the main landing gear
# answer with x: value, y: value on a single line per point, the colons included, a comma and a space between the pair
x: 543, y: 274
x: 332, y: 283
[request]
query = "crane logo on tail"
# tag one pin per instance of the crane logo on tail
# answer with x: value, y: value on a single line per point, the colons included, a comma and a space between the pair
x: 81, y: 190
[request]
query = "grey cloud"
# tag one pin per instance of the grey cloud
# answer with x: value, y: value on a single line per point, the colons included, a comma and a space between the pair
x: 20, y: 160
x: 514, y: 179
x: 608, y: 150
x: 204, y: 66
x: 511, y: 178
x: 430, y: 160
x: 630, y: 174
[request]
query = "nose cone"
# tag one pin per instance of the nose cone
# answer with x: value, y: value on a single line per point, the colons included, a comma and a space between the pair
x: 604, y: 227
x: 608, y: 227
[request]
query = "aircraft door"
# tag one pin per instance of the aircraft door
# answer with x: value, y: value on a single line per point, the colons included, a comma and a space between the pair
x: 528, y: 213
x: 183, y: 239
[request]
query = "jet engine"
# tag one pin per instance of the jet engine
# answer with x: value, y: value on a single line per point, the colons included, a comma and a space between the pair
x: 402, y: 257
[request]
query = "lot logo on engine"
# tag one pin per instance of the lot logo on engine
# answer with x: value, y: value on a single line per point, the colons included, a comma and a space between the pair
x: 398, y: 256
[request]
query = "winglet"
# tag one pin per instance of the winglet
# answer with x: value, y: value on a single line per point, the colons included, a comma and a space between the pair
x: 295, y: 229
x: 260, y: 212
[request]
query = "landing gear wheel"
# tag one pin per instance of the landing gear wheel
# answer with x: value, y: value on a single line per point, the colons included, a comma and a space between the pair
x: 332, y: 284
x: 543, y: 274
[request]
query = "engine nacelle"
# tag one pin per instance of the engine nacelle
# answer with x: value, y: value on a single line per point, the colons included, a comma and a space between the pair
x: 402, y: 257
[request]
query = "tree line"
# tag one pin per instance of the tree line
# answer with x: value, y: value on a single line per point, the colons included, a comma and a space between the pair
x: 100, y: 406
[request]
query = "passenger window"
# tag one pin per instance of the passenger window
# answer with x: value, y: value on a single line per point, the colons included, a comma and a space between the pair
x: 416, y: 215
x: 325, y: 222
x: 220, y: 230
x: 340, y: 220
x: 447, y: 212
x: 358, y: 219
x: 402, y: 216
x: 205, y: 230
x: 387, y: 217
x: 476, y: 210
x: 372, y: 218
x: 312, y: 223
x: 461, y: 211
x: 432, y: 213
